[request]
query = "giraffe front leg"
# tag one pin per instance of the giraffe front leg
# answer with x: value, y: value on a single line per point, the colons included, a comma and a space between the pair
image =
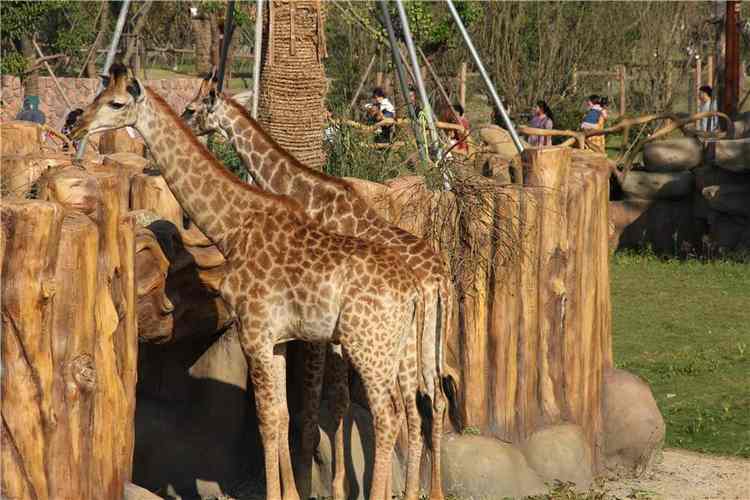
x: 261, y: 362
x: 315, y: 356
x: 285, y: 460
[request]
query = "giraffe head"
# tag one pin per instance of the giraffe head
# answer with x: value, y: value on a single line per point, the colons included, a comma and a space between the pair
x: 198, y: 113
x: 116, y: 106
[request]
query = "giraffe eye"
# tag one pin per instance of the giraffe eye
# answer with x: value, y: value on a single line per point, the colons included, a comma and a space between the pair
x: 116, y: 105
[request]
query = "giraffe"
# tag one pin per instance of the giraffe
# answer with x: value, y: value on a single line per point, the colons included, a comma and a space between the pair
x: 286, y: 278
x: 334, y: 204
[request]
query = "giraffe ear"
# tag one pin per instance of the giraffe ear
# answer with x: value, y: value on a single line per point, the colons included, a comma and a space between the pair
x: 135, y: 89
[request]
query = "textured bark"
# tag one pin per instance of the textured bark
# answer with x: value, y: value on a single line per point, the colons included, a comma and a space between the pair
x: 120, y: 141
x: 293, y: 81
x: 20, y: 138
x: 533, y: 336
x: 71, y: 357
x: 18, y: 173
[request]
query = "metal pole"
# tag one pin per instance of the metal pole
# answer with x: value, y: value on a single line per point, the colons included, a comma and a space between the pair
x: 258, y: 52
x: 108, y: 62
x: 417, y: 73
x: 400, y: 73
x: 485, y: 76
x: 228, y: 29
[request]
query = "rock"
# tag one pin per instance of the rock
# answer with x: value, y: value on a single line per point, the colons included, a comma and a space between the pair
x: 672, y: 155
x: 638, y: 184
x: 729, y: 154
x: 480, y: 467
x: 728, y: 198
x: 713, y: 176
x: 633, y: 427
x: 729, y: 232
x: 742, y: 125
x: 135, y: 492
x: 195, y: 430
x: 560, y: 452
x: 666, y: 226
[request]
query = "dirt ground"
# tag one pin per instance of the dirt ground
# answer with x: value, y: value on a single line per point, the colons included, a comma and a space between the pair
x: 686, y: 475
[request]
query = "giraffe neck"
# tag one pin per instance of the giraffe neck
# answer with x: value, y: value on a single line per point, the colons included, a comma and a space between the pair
x: 329, y: 201
x: 272, y: 168
x: 216, y: 201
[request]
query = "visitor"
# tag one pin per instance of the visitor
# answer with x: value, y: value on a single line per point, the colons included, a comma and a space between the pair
x: 705, y: 98
x: 379, y: 109
x: 30, y: 111
x: 604, y: 104
x: 458, y: 136
x: 541, y: 118
x: 594, y: 120
x: 70, y: 121
x: 593, y: 113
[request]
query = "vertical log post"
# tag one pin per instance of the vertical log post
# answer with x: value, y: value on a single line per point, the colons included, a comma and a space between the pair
x: 622, y: 78
x: 710, y: 70
x: 697, y: 81
x: 462, y: 85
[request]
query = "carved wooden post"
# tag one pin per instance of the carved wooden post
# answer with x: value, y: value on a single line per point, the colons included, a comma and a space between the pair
x: 462, y: 85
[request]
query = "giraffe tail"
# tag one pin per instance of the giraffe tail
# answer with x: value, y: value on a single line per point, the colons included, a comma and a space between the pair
x: 419, y: 307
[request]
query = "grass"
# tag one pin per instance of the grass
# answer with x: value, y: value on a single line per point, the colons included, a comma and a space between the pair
x: 684, y: 326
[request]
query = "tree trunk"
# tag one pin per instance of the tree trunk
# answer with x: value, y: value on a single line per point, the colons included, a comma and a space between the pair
x: 293, y: 81
x: 31, y: 79
x: 204, y: 45
x: 131, y: 52
x: 91, y: 71
x: 69, y: 340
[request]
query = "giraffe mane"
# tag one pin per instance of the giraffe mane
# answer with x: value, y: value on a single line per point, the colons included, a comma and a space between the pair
x: 287, y: 202
x: 287, y: 156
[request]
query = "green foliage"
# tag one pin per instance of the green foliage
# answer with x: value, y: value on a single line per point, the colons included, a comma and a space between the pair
x: 432, y: 26
x: 63, y: 27
x: 471, y: 431
x: 681, y: 326
x: 225, y: 153
x: 350, y: 155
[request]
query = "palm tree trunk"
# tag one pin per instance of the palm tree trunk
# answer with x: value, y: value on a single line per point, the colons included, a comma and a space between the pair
x: 293, y: 81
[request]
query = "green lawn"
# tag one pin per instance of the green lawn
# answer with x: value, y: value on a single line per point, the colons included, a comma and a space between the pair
x: 685, y: 328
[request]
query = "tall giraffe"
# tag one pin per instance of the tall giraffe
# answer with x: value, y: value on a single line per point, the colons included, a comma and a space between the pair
x: 286, y: 279
x: 335, y: 205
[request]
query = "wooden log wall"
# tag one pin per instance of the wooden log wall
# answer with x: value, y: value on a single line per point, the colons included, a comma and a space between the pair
x: 69, y: 340
x: 533, y: 334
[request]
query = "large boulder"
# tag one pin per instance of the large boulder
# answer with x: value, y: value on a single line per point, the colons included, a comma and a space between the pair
x: 714, y: 176
x: 642, y: 185
x: 728, y: 198
x: 633, y: 426
x: 672, y: 155
x: 481, y: 467
x: 666, y: 226
x: 729, y: 154
x: 729, y: 232
x: 560, y: 452
x: 196, y: 433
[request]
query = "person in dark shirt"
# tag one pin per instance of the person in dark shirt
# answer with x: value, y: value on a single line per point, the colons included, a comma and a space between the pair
x: 30, y: 111
x: 71, y: 120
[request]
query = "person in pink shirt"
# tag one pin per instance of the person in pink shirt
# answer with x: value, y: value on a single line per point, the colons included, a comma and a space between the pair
x: 542, y: 118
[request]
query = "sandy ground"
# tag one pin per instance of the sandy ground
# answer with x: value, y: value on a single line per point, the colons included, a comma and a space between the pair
x: 686, y: 475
